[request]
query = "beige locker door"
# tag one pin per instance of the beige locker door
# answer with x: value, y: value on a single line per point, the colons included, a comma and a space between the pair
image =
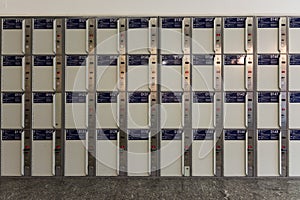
x: 294, y: 31
x: 76, y: 36
x: 107, y: 73
x: 294, y: 110
x: 268, y: 35
x: 108, y: 35
x: 107, y: 110
x: 172, y: 36
x: 43, y: 111
x: 294, y: 149
x: 139, y: 73
x: 13, y: 66
x: 139, y: 110
x: 294, y: 71
x: 172, y: 110
x: 12, y: 110
x: 138, y: 36
x: 172, y: 75
x: 203, y: 73
x: 235, y: 73
x: 44, y: 73
x: 203, y: 36
x: 44, y: 36
x: 13, y: 36
x: 235, y: 35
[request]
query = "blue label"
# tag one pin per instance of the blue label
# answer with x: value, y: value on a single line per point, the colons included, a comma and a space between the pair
x: 172, y: 22
x: 107, y: 23
x: 270, y: 59
x: 268, y: 22
x: 295, y: 59
x: 76, y: 60
x: 203, y: 97
x: 171, y: 97
x: 139, y: 23
x: 76, y: 134
x: 235, y: 97
x: 10, y: 97
x: 295, y: 97
x: 138, y: 134
x: 294, y: 134
x: 203, y: 59
x: 12, y: 60
x: 203, y: 134
x: 76, y: 97
x: 138, y: 60
x: 268, y: 97
x: 11, y: 134
x: 43, y: 60
x: 268, y: 134
x: 139, y: 97
x: 76, y: 23
x: 12, y: 23
x: 42, y: 97
x: 171, y: 134
x: 235, y: 134
x: 171, y: 60
x: 107, y: 97
x: 295, y: 22
x: 104, y: 60
x: 107, y: 134
x: 234, y: 59
x: 203, y: 22
x: 235, y: 22
x: 42, y: 134
x: 43, y: 24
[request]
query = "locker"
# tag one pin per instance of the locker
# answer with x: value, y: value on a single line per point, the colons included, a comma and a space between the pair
x: 203, y: 73
x: 268, y: 35
x: 294, y: 31
x: 172, y: 75
x: 43, y: 152
x: 76, y: 152
x: 203, y: 152
x: 294, y: 71
x: 76, y: 36
x: 294, y: 110
x: 43, y: 111
x: 139, y: 110
x: 13, y: 66
x: 139, y: 36
x: 235, y: 73
x: 107, y: 110
x: 13, y: 36
x: 12, y: 115
x: 12, y: 159
x: 76, y: 110
x: 235, y: 153
x: 172, y: 36
x: 139, y: 73
x: 172, y: 110
x: 171, y: 152
x: 139, y: 152
x: 269, y: 110
x: 294, y: 148
x: 235, y: 110
x: 203, y: 110
x: 268, y: 153
x: 76, y: 73
x: 107, y: 73
x: 107, y: 154
x: 108, y: 36
x: 44, y: 36
x: 44, y: 73
x: 203, y: 35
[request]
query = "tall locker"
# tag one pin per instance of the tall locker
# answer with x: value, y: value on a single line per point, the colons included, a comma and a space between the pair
x: 43, y: 110
x: 139, y: 73
x: 108, y: 36
x: 139, y: 110
x: 76, y: 73
x: 107, y: 110
x: 12, y: 111
x: 172, y: 36
x: 76, y: 36
x: 203, y: 73
x: 294, y: 71
x: 172, y: 75
x: 13, y: 36
x: 44, y: 73
x: 13, y: 66
x: 44, y: 36
x: 294, y: 31
x: 107, y: 73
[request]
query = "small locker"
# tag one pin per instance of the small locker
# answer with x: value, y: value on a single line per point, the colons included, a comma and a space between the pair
x: 268, y: 35
x: 12, y: 158
x: 203, y: 35
x: 235, y: 153
x: 13, y: 73
x: 235, y: 73
x: 76, y: 152
x: 43, y: 110
x: 13, y: 36
x: 107, y: 110
x: 107, y: 154
x: 139, y: 36
x: 12, y: 110
x: 203, y: 73
x: 44, y: 73
x: 269, y: 153
x: 172, y: 110
x: 139, y: 110
x: 108, y: 36
x: 43, y: 152
x: 172, y: 75
x: 76, y: 36
x: 171, y: 152
x: 44, y: 36
x: 139, y: 152
x: 139, y: 73
x: 294, y: 149
x: 294, y: 110
x: 235, y: 110
x: 76, y: 110
x: 203, y: 152
x: 172, y: 36
x: 203, y: 110
x: 76, y: 73
x: 294, y: 71
x: 294, y: 31
x: 107, y: 73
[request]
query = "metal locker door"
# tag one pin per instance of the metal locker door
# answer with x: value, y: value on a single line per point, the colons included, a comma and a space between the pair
x: 107, y: 73
x: 107, y: 154
x: 44, y: 36
x: 294, y: 110
x: 44, y: 73
x: 171, y: 152
x: 235, y: 110
x: 76, y: 73
x: 76, y: 110
x: 294, y: 31
x: 203, y: 152
x: 139, y: 110
x: 43, y: 111
x: 294, y: 149
x: 172, y: 36
x: 269, y: 153
x: 139, y: 36
x: 204, y: 110
x: 76, y: 152
x: 172, y: 75
x: 172, y: 110
x: 203, y: 73
x: 139, y: 152
x: 235, y: 73
x: 43, y: 152
x: 76, y: 36
x: 12, y: 157
x: 13, y: 66
x: 294, y: 71
x: 139, y: 73
x: 108, y: 36
x: 203, y: 34
x: 235, y: 153
x: 13, y: 36
x: 107, y: 109
x: 12, y: 110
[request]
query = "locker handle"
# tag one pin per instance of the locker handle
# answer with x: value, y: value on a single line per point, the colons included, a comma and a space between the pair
x: 149, y: 110
x: 182, y: 111
x: 54, y: 74
x: 279, y: 109
x: 53, y: 111
x: 279, y: 155
x: 149, y: 154
x: 246, y: 153
x: 214, y: 155
x: 54, y: 36
x: 182, y: 75
x: 86, y: 154
x: 149, y: 36
x: 246, y: 110
x: 182, y: 153
x: 246, y: 74
x: 149, y: 74
x: 53, y: 153
x: 279, y: 35
x: 118, y: 153
x: 246, y: 35
x: 86, y: 111
x: 118, y: 35
x: 23, y: 74
x: 182, y: 36
x: 87, y: 74
x: 118, y: 72
x: 214, y: 112
x: 118, y: 111
x: 214, y: 36
x: 87, y: 36
x: 214, y: 73
x: 279, y: 74
x: 23, y: 111
x: 22, y: 153
x: 23, y: 36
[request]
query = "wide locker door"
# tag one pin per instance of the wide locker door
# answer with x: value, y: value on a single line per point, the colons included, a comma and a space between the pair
x: 235, y: 153
x: 172, y: 78
x: 172, y: 110
x: 44, y: 36
x: 294, y: 149
x: 107, y: 110
x: 203, y: 110
x: 13, y: 36
x: 43, y: 111
x: 12, y: 110
x: 44, y: 73
x: 107, y: 76
x: 76, y: 152
x: 138, y: 73
x: 269, y: 153
x: 203, y: 152
x: 13, y: 73
x: 294, y: 71
x: 76, y: 36
x: 171, y: 152
x: 108, y: 36
x: 12, y: 159
x: 76, y: 73
x: 294, y: 110
x: 172, y: 36
x: 107, y: 154
x: 294, y: 31
x: 235, y: 73
x: 139, y: 110
x: 139, y: 152
x: 43, y: 152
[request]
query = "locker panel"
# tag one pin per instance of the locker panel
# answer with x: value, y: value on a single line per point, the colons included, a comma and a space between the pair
x: 107, y: 77
x: 107, y: 36
x: 235, y: 73
x: 12, y: 110
x: 203, y: 73
x: 172, y: 110
x: 13, y: 36
x: 43, y: 110
x: 294, y: 31
x: 76, y: 73
x: 235, y: 35
x: 203, y: 36
x: 138, y: 36
x: 139, y: 110
x: 76, y: 36
x: 294, y: 71
x: 268, y: 35
x: 76, y: 110
x: 171, y: 36
x: 138, y: 73
x: 268, y: 111
x: 44, y: 73
x: 44, y: 36
x: 294, y: 148
x: 203, y: 110
x: 107, y: 110
x: 171, y: 73
x: 13, y: 66
x: 294, y: 110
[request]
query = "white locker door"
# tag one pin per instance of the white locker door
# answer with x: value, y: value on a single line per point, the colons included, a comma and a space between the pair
x: 107, y: 110
x: 268, y: 153
x: 107, y: 77
x: 203, y: 36
x: 138, y: 36
x: 203, y: 73
x: 108, y: 36
x: 235, y: 35
x: 171, y: 152
x: 76, y: 36
x: 268, y: 35
x: 13, y: 36
x: 294, y: 31
x: 139, y: 110
x: 203, y: 152
x: 172, y: 113
x: 43, y: 111
x: 294, y: 149
x: 76, y: 110
x: 172, y: 36
x: 43, y: 152
x: 294, y: 110
x: 235, y: 153
x: 268, y: 73
x: 12, y: 110
x: 294, y: 71
x: 139, y: 152
x: 107, y: 154
x: 235, y: 110
x: 269, y: 110
x: 76, y: 73
x: 172, y: 75
x: 44, y: 36
x: 12, y: 159
x: 44, y: 73
x: 139, y: 73
x: 203, y: 110
x: 13, y: 73
x: 235, y: 73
